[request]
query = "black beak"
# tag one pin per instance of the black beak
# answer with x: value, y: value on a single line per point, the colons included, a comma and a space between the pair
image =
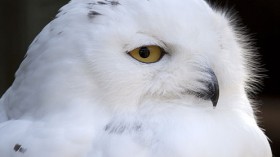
x: 211, y: 92
x: 213, y: 89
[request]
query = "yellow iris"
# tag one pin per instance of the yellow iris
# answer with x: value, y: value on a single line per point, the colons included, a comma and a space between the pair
x: 147, y: 54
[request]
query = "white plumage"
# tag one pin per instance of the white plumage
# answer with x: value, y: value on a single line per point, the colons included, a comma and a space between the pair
x: 80, y: 91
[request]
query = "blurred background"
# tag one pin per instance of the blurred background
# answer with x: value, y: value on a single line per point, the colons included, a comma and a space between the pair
x: 22, y: 20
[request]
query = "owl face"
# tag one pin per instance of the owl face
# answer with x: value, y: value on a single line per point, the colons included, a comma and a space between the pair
x: 197, y: 53
x: 157, y: 50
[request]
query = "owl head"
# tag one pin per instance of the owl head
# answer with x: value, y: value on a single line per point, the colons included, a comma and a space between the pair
x: 129, y: 53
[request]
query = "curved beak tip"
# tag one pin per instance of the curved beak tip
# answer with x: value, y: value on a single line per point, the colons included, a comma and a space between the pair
x: 216, y: 92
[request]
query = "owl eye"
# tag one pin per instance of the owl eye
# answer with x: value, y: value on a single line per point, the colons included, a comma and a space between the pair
x: 147, y: 54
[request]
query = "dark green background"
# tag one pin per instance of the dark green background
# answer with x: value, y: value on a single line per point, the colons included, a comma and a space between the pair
x: 22, y: 20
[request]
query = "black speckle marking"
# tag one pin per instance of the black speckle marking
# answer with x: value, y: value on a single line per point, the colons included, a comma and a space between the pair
x: 121, y: 128
x: 102, y: 3
x: 59, y: 33
x: 92, y: 14
x: 19, y: 148
x: 115, y: 129
x: 105, y: 2
x: 36, y: 40
x: 115, y: 3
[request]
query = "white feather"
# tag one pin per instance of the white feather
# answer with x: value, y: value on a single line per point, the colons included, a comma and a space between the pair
x: 79, y: 94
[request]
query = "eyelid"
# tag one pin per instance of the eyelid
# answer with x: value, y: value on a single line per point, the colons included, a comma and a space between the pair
x: 162, y: 46
x: 141, y: 39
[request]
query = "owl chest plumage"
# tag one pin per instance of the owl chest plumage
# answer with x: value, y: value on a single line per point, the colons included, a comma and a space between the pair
x: 196, y: 134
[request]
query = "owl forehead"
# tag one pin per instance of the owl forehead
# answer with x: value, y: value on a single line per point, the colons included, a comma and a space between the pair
x: 159, y: 13
x: 146, y: 12
x: 152, y: 15
x: 165, y: 20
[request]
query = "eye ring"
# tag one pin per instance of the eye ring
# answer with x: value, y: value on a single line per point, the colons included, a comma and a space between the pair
x: 147, y: 54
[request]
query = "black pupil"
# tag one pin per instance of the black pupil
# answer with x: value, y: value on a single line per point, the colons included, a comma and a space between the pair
x: 144, y: 52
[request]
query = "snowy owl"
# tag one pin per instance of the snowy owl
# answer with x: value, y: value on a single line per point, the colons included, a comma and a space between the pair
x: 131, y: 78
